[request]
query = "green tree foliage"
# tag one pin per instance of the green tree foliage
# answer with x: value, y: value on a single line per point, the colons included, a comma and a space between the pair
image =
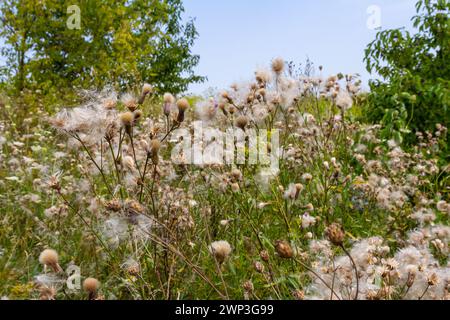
x: 119, y: 42
x: 415, y: 70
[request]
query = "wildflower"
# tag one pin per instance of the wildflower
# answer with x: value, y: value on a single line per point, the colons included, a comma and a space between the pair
x: 335, y: 234
x: 49, y: 257
x: 91, y: 286
x: 284, y: 249
x: 221, y: 250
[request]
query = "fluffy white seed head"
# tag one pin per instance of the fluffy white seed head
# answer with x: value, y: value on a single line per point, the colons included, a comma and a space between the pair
x: 91, y: 285
x: 49, y: 257
x: 220, y: 249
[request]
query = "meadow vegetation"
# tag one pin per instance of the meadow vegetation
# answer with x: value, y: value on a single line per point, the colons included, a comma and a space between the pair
x: 94, y: 189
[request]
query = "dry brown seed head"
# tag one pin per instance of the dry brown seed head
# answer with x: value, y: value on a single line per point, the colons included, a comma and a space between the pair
x: 155, y: 145
x: 137, y: 115
x: 259, y: 267
x: 248, y: 286
x: 284, y: 249
x: 169, y: 98
x: 241, y: 122
x: 298, y: 294
x: 335, y: 234
x: 264, y: 256
x: 126, y: 118
x: 48, y: 257
x: 91, y: 286
x: 278, y: 65
x: 146, y: 89
x: 131, y: 104
x: 182, y: 104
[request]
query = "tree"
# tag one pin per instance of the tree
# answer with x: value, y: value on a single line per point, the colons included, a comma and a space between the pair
x: 119, y: 42
x: 16, y: 24
x: 414, y: 89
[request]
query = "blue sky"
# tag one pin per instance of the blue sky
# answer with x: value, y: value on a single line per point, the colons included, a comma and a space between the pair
x: 238, y: 36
